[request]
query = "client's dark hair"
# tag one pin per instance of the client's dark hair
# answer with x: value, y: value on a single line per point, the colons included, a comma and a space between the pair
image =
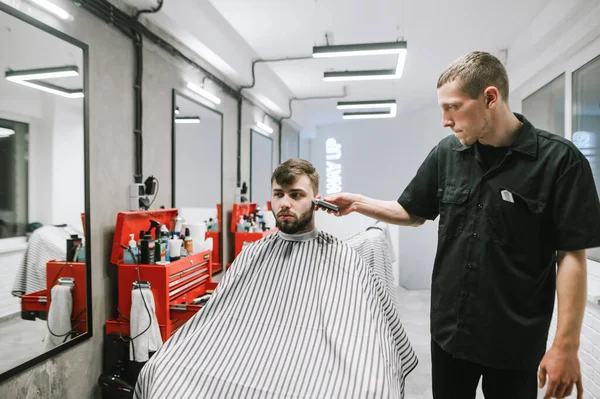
x: 289, y: 171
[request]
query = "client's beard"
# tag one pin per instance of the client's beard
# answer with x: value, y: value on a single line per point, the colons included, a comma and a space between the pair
x: 295, y: 225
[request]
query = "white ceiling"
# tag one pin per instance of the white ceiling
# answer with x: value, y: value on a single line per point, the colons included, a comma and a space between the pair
x: 436, y: 33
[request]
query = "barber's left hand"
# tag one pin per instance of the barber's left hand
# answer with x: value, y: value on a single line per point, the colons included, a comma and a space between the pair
x: 561, y: 368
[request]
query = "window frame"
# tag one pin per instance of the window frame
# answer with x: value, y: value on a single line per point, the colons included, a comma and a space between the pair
x: 568, y: 66
x: 18, y: 243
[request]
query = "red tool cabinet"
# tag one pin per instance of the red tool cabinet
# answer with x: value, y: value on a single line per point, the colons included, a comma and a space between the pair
x: 174, y: 285
x: 37, y: 304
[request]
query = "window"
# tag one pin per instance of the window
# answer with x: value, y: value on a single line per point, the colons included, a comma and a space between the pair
x: 545, y: 108
x: 586, y: 120
x: 13, y: 178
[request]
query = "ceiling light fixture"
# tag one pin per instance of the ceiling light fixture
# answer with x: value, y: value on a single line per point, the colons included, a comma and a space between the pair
x: 53, y: 8
x: 42, y: 73
x: 265, y: 128
x: 199, y: 90
x: 353, y: 50
x: 30, y: 78
x: 4, y: 132
x: 391, y: 113
x: 363, y: 50
x: 187, y: 119
x: 50, y: 88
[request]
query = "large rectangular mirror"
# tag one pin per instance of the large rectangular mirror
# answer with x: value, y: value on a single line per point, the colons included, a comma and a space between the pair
x: 44, y: 203
x: 197, y: 171
x: 261, y: 168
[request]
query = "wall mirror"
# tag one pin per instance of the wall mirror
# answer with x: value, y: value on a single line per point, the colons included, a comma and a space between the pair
x: 261, y: 168
x: 197, y: 172
x: 45, y: 290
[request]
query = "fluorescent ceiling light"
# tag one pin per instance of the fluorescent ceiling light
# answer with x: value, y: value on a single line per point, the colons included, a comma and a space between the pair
x: 4, y: 132
x: 199, y: 90
x: 362, y: 50
x: 391, y: 104
x: 264, y: 127
x: 187, y: 119
x: 53, y: 8
x: 368, y: 115
x: 352, y: 50
x: 42, y: 73
x: 366, y: 104
x: 359, y: 75
x: 50, y: 88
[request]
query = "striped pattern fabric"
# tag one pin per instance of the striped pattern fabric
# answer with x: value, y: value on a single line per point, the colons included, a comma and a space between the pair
x: 375, y: 248
x: 45, y: 244
x: 295, y: 316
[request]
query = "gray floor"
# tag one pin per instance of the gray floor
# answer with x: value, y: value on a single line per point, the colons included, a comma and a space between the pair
x: 21, y: 340
x: 414, y: 309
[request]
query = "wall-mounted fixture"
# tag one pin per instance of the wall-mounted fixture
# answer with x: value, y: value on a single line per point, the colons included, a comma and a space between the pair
x: 264, y: 128
x: 31, y: 78
x: 204, y: 93
x: 367, y: 49
x: 187, y: 119
x: 176, y: 110
x: 53, y: 8
x: 389, y: 113
x: 4, y: 132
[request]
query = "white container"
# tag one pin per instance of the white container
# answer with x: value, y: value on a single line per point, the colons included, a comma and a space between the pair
x: 175, y: 248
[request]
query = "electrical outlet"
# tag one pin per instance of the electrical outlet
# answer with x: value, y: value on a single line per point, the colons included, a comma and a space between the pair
x: 136, y: 192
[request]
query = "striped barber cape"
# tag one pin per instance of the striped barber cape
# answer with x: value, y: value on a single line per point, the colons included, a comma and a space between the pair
x: 295, y: 316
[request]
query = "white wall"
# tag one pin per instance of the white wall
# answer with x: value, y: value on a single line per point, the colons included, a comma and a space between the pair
x: 379, y: 159
x: 290, y: 139
x: 68, y: 181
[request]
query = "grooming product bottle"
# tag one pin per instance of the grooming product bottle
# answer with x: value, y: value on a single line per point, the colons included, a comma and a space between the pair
x: 175, y: 245
x: 72, y: 244
x: 127, y: 257
x: 165, y: 235
x: 240, y: 226
x: 188, y: 243
x: 148, y: 250
x: 159, y: 248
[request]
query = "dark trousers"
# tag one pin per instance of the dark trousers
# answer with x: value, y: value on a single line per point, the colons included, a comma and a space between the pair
x: 458, y: 379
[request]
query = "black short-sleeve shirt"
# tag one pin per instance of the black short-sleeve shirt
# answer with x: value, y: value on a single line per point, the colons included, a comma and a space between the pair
x: 494, y: 277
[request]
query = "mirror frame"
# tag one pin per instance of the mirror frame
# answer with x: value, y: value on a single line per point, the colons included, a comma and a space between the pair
x: 174, y: 95
x: 88, y: 254
x: 252, y: 132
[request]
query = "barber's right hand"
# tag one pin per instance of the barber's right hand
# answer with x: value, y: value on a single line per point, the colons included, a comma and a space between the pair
x: 346, y: 202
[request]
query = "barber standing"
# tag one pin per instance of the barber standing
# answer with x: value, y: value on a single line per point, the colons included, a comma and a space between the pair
x: 518, y: 207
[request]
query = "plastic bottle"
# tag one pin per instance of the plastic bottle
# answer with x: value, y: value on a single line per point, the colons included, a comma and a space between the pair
x: 188, y: 243
x: 127, y: 257
x: 241, y: 226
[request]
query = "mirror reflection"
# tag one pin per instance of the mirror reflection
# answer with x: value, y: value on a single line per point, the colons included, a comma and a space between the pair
x: 261, y: 168
x: 197, y: 165
x: 42, y: 192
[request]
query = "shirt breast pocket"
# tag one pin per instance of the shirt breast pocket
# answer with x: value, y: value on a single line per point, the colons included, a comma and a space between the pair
x: 518, y: 224
x: 453, y: 210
